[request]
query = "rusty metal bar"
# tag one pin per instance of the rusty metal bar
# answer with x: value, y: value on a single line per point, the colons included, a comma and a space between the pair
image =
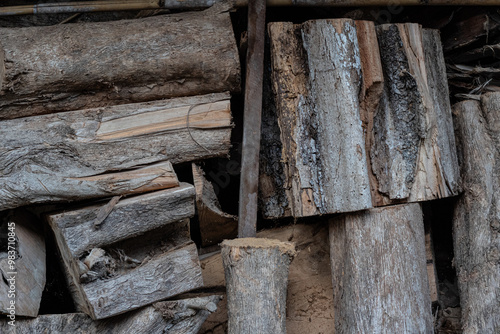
x: 247, y: 223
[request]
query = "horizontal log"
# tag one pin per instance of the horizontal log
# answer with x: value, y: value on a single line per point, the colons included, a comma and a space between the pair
x: 129, y: 218
x: 69, y: 156
x: 116, y: 62
x: 184, y: 316
x: 22, y: 264
x: 112, y: 276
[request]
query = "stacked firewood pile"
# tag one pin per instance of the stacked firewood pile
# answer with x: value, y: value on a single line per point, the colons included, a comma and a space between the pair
x: 362, y: 141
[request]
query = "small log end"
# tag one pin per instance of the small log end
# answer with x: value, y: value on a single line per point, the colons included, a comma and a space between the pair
x: 287, y: 248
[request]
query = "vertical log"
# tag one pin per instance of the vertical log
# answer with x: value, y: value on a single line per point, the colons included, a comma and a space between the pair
x: 256, y: 272
x: 476, y: 226
x: 379, y: 272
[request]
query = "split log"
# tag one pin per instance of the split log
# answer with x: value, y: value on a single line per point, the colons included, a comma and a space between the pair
x: 143, y: 245
x: 256, y: 272
x: 379, y: 271
x: 44, y: 69
x: 375, y: 141
x: 412, y: 156
x: 70, y: 156
x: 22, y: 264
x: 215, y: 225
x: 183, y: 316
x: 309, y: 294
x: 476, y: 227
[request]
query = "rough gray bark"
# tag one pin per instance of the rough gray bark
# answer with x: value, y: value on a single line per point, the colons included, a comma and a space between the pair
x: 129, y: 218
x: 47, y: 70
x: 411, y: 155
x: 379, y: 271
x: 476, y: 228
x: 183, y: 316
x: 64, y: 156
x: 215, y: 225
x: 136, y: 265
x: 29, y: 269
x: 309, y: 60
x: 256, y: 272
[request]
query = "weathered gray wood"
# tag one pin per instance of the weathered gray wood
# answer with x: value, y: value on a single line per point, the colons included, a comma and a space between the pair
x: 476, y: 228
x: 412, y: 126
x: 47, y: 70
x: 23, y: 281
x: 60, y: 156
x: 323, y: 175
x: 136, y: 258
x: 256, y: 272
x: 215, y: 225
x: 183, y: 316
x: 129, y: 218
x: 309, y: 298
x: 379, y: 271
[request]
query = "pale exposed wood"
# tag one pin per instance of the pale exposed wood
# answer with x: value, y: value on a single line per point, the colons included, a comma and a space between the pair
x: 476, y: 228
x: 186, y: 317
x: 309, y: 293
x: 47, y: 70
x: 431, y: 265
x: 256, y: 272
x: 323, y: 175
x: 129, y: 218
x: 379, y: 271
x: 142, y: 253
x: 215, y: 225
x: 69, y: 156
x: 29, y: 270
x: 412, y: 154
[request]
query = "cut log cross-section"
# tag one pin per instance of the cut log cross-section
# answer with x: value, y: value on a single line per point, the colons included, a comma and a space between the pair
x: 476, y: 224
x: 379, y: 271
x: 142, y: 245
x: 46, y: 69
x: 364, y: 117
x: 74, y: 155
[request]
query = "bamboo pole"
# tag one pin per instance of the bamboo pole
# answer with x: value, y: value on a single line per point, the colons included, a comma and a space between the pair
x: 99, y: 6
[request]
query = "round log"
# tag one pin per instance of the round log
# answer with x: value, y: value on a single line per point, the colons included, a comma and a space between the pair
x: 256, y: 272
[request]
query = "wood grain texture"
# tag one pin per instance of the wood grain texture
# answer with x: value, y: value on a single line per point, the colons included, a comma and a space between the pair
x: 256, y: 272
x: 215, y: 225
x: 65, y: 156
x: 29, y: 272
x: 129, y: 218
x: 47, y: 70
x: 186, y: 317
x: 145, y: 258
x: 379, y: 271
x: 309, y: 294
x: 476, y: 228
x: 308, y: 61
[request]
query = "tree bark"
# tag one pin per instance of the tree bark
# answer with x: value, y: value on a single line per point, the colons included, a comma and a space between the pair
x: 256, y: 272
x: 46, y: 70
x: 124, y: 265
x: 379, y: 271
x: 21, y: 236
x: 215, y: 225
x: 476, y: 228
x: 65, y: 156
x: 183, y: 316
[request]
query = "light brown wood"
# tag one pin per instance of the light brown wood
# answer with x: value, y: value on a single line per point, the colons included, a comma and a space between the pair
x: 184, y: 316
x: 143, y: 245
x: 379, y: 271
x: 431, y: 265
x: 48, y: 70
x: 215, y: 225
x: 476, y: 228
x: 72, y: 155
x: 24, y: 280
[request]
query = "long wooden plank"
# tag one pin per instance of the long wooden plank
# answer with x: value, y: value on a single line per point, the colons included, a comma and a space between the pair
x: 65, y: 156
x: 47, y: 70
